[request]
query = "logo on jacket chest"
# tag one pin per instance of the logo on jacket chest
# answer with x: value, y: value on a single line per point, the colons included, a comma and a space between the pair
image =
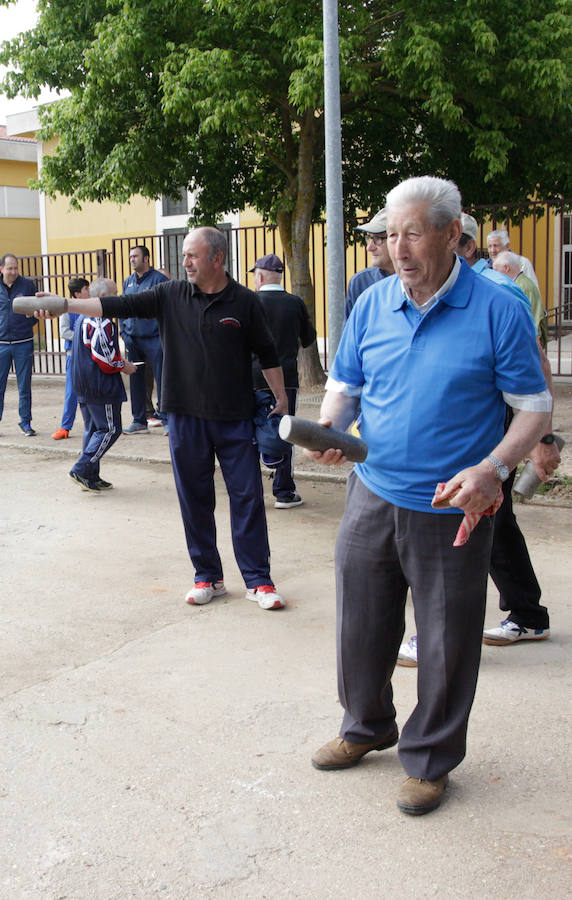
x: 230, y: 320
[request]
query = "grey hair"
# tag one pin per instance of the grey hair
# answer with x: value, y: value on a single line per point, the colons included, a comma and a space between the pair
x: 508, y: 258
x: 8, y: 256
x: 501, y: 234
x: 216, y: 241
x: 442, y: 196
x: 102, y: 287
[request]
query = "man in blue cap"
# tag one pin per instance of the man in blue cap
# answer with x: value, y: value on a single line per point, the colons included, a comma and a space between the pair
x: 291, y: 327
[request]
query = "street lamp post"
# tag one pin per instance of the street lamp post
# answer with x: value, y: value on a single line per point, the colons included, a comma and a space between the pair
x: 334, y: 193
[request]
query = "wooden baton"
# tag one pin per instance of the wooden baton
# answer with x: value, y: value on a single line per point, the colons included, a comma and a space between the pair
x: 313, y: 436
x: 26, y: 306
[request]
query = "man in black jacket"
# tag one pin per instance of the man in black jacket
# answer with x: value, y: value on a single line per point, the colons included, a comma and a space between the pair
x: 290, y: 326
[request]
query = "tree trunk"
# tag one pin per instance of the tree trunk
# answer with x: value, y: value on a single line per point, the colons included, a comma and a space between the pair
x: 294, y: 225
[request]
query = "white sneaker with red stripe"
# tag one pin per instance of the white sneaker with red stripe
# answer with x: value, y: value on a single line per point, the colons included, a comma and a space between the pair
x: 266, y: 596
x: 204, y: 591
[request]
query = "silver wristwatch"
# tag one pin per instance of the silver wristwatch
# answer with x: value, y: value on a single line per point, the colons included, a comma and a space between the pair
x: 501, y: 468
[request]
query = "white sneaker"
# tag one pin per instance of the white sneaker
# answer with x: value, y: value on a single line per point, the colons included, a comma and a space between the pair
x: 288, y: 502
x: 508, y: 632
x: 407, y: 655
x: 204, y: 591
x: 266, y: 596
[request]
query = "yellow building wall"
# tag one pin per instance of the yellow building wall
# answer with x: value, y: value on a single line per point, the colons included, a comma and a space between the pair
x: 249, y: 217
x: 19, y: 236
x: 96, y: 225
x: 15, y: 173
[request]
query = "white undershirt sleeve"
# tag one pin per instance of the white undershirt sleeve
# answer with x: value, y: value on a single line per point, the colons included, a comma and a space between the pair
x: 530, y: 402
x: 340, y: 387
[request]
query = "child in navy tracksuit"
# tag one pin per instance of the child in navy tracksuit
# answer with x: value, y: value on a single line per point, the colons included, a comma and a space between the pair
x: 96, y: 366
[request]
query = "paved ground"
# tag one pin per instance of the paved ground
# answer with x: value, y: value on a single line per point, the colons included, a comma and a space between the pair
x: 155, y: 750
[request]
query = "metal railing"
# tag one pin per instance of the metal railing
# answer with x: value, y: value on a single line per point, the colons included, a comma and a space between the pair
x: 51, y: 272
x: 540, y: 230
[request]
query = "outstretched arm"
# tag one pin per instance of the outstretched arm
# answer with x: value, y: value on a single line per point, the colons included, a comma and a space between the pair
x: 89, y: 307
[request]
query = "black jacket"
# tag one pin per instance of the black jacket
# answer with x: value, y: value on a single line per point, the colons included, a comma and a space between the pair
x: 207, y: 345
x: 290, y: 326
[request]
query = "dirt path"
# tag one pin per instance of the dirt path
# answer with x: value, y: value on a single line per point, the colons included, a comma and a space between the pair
x: 155, y: 750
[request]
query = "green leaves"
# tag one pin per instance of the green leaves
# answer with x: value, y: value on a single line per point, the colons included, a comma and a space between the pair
x: 227, y: 96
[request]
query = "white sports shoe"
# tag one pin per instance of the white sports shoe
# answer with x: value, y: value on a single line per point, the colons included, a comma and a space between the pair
x: 204, y: 591
x: 407, y: 655
x: 266, y: 596
x: 509, y: 632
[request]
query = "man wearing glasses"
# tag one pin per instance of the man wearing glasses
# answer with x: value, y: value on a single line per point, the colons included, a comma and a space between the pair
x: 381, y: 266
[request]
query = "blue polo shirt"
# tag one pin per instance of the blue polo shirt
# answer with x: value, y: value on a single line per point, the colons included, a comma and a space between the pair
x: 432, y: 384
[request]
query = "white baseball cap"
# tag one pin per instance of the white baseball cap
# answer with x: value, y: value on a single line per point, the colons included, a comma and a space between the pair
x: 377, y: 225
x: 470, y: 226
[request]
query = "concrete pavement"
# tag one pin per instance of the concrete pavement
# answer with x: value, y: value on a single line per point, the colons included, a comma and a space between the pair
x: 156, y: 750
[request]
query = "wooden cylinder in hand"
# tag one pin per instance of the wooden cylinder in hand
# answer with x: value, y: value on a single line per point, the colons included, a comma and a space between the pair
x: 26, y: 306
x: 313, y: 436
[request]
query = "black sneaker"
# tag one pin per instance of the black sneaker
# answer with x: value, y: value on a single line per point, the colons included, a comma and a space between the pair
x: 85, y: 483
x: 28, y: 430
x: 103, y: 485
x: 287, y: 502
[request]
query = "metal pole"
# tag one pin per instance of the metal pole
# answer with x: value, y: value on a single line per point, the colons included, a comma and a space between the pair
x: 334, y: 196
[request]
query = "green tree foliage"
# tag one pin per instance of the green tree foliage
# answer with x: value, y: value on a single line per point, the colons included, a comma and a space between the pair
x: 226, y: 96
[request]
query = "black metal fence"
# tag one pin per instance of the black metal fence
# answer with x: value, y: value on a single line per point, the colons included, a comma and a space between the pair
x: 540, y: 230
x: 51, y: 272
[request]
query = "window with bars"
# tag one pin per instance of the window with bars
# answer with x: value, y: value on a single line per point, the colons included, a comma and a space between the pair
x: 178, y: 207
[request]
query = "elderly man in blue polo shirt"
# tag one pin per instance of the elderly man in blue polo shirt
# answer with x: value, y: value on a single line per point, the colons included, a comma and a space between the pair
x: 433, y: 358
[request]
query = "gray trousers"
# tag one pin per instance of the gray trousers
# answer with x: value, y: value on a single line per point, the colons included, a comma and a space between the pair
x: 382, y: 550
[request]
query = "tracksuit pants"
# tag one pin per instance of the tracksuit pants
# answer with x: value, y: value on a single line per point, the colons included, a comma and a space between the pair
x: 102, y: 423
x: 194, y: 443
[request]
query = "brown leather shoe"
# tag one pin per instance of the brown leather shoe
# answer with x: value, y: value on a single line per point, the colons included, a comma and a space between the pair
x: 340, y: 754
x: 417, y: 796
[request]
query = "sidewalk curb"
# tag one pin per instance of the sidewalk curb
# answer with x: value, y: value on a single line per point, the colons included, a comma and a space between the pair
x: 299, y: 474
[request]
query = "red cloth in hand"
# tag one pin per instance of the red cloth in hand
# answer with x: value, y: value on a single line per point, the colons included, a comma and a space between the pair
x: 470, y: 520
